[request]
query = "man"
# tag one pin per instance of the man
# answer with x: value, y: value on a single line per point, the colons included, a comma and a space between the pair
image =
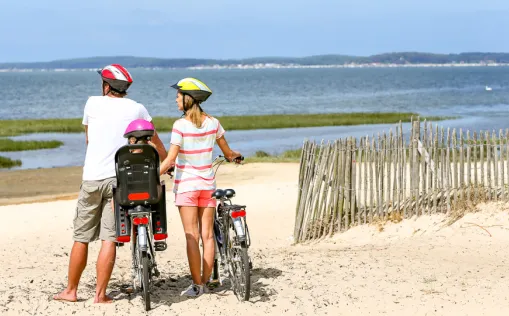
x: 105, y: 119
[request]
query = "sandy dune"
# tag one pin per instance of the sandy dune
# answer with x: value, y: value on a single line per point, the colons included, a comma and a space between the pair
x: 415, y: 267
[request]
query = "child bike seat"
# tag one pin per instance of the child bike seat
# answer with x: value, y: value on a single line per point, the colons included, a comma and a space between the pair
x: 137, y: 169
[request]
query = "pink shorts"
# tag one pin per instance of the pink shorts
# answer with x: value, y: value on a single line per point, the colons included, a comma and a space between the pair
x: 201, y: 198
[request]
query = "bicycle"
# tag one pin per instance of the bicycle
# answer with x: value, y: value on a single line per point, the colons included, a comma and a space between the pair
x: 232, y: 241
x: 140, y: 213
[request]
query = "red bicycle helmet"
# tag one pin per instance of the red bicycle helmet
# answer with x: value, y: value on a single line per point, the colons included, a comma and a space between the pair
x: 117, y: 77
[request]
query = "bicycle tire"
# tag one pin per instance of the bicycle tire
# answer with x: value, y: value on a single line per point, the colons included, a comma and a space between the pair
x: 145, y: 280
x: 226, y: 251
x: 244, y: 272
x: 247, y: 274
x: 136, y: 263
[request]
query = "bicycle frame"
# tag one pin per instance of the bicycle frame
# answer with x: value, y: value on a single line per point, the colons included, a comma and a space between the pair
x: 236, y: 216
x: 230, y: 222
x: 141, y: 239
x: 227, y: 214
x: 140, y: 213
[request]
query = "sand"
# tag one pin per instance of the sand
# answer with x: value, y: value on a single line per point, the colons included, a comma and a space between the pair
x: 419, y: 266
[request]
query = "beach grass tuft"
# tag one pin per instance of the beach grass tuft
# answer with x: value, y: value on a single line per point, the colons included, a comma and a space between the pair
x: 21, y: 145
x: 286, y: 156
x: 9, y: 163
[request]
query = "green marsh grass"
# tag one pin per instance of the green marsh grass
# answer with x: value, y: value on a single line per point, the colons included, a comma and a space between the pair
x: 21, y: 145
x: 9, y: 163
x: 164, y: 124
x: 287, y: 156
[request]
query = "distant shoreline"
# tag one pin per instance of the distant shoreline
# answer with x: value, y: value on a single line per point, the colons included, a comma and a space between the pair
x: 371, y: 65
x: 274, y: 66
x: 384, y: 60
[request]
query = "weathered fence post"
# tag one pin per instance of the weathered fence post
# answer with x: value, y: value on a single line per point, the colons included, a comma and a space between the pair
x: 346, y: 183
x: 414, y: 176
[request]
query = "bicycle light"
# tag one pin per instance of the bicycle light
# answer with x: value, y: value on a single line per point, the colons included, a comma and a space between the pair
x: 160, y: 236
x: 124, y: 238
x: 138, y: 196
x: 241, y: 213
x: 140, y: 220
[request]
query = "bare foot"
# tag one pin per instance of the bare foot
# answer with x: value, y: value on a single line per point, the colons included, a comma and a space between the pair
x: 103, y: 299
x: 66, y: 296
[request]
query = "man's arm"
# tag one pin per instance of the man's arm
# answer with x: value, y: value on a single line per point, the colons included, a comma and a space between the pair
x: 85, y: 120
x: 154, y: 140
x: 159, y: 146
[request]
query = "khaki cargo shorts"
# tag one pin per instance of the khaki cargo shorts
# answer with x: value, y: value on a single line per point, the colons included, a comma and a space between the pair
x: 94, y: 217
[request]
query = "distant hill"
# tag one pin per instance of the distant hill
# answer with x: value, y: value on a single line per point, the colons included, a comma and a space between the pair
x: 388, y: 58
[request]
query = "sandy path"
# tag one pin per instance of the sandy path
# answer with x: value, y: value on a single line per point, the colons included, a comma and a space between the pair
x: 416, y: 267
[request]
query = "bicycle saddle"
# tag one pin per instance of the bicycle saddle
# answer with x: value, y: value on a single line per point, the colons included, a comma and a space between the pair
x: 218, y: 194
x: 229, y: 193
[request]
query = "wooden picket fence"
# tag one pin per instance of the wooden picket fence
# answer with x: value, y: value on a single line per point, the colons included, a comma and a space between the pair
x: 353, y: 181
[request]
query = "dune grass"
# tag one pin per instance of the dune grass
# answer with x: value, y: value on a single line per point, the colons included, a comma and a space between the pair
x: 19, y: 127
x: 316, y: 120
x: 164, y: 124
x: 287, y: 156
x: 9, y: 163
x: 13, y: 145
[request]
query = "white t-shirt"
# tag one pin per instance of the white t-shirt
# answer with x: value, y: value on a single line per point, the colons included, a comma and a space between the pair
x: 107, y: 118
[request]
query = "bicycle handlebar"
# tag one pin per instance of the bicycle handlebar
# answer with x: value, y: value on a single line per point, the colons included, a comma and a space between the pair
x: 237, y: 160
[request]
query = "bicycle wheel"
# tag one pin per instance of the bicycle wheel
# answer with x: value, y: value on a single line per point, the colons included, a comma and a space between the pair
x: 145, y: 279
x: 136, y: 264
x: 241, y: 273
x: 244, y: 275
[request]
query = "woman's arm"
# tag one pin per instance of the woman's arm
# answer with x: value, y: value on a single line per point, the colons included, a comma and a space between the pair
x: 170, y: 159
x: 227, y: 152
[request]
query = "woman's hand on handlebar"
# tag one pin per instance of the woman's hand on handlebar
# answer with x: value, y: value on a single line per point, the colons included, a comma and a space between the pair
x: 170, y: 172
x: 235, y: 157
x: 167, y: 167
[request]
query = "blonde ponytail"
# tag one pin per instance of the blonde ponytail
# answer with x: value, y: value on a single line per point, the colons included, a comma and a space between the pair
x: 193, y: 111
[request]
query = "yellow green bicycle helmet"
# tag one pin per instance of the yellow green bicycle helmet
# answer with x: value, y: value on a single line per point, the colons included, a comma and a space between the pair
x: 193, y: 87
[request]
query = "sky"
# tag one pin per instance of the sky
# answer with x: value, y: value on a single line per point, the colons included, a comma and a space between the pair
x: 34, y: 30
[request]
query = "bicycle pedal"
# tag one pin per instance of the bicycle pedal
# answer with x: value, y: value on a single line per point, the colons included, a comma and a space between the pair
x: 160, y: 246
x: 212, y: 284
x: 156, y: 273
x: 126, y: 289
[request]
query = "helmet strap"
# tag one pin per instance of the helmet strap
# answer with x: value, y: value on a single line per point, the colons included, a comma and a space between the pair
x: 111, y: 89
x: 184, y: 102
x: 104, y: 88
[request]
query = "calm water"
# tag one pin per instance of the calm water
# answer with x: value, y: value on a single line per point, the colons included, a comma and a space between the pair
x: 428, y: 91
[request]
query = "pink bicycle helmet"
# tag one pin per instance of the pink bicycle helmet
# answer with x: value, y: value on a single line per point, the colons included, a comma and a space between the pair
x: 139, y: 128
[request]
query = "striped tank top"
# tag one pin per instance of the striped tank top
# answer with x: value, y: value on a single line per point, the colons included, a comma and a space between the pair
x: 193, y: 168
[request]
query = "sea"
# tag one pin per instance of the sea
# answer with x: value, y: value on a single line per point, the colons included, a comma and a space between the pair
x: 478, y: 96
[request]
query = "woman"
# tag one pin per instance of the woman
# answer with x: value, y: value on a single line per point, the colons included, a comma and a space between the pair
x: 192, y: 140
